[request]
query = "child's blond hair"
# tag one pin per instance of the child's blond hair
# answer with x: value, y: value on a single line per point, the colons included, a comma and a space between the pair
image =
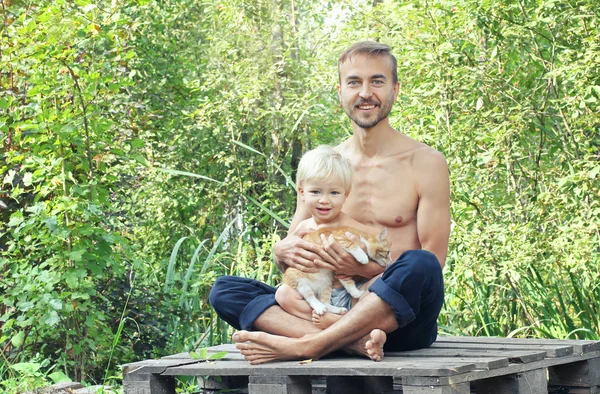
x: 323, y: 164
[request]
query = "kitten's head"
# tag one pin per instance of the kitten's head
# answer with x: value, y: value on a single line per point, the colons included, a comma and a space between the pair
x: 379, y: 248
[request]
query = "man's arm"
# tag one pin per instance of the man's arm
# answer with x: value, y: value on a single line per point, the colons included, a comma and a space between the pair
x: 343, y: 263
x: 433, y: 212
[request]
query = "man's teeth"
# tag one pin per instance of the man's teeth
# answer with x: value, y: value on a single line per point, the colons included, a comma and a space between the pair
x: 366, y: 106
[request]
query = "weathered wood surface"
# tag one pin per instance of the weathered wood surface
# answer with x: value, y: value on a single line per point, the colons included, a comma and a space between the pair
x: 451, y: 365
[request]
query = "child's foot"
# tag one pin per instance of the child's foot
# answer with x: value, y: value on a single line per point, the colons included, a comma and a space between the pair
x: 325, y: 320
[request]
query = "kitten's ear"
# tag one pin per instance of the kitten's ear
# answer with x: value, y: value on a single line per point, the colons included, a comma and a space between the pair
x: 383, y: 234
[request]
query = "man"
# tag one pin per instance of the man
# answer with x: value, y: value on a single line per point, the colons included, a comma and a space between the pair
x: 400, y: 184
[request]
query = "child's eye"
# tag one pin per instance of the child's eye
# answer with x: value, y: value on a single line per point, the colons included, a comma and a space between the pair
x: 314, y: 192
x: 335, y: 193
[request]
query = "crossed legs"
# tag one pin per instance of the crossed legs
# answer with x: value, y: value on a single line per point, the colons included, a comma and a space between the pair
x: 361, y: 331
x: 409, y: 296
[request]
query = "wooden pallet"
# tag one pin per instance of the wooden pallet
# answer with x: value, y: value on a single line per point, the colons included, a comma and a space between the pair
x: 452, y: 365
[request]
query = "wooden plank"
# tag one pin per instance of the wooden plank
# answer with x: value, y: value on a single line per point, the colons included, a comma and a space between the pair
x: 462, y: 388
x: 489, y: 359
x: 573, y: 390
x: 154, y: 366
x: 148, y: 384
x: 578, y: 374
x: 513, y: 356
x: 481, y: 362
x: 485, y: 374
x: 274, y: 384
x: 579, y: 346
x: 530, y: 382
x: 551, y: 350
x: 419, y: 366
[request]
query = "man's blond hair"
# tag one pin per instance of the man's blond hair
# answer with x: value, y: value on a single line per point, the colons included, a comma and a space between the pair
x: 370, y: 48
x: 323, y: 164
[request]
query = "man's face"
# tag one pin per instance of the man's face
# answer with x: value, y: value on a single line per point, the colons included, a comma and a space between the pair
x: 367, y: 90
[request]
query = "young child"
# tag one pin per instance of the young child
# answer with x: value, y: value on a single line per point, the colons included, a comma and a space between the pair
x: 324, y: 180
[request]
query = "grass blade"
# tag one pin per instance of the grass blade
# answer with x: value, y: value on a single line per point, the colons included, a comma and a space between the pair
x: 191, y: 174
x: 171, y: 266
x: 267, y: 210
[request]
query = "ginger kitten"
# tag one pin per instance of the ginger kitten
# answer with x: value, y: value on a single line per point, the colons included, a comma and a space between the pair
x: 316, y: 287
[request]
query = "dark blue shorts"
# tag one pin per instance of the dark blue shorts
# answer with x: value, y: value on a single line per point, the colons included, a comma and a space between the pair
x: 413, y: 286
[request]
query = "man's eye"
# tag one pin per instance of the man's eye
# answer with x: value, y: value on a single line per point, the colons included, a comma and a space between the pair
x: 353, y: 83
x: 378, y: 82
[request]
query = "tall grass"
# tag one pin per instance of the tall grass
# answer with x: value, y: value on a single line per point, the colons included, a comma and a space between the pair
x: 553, y: 304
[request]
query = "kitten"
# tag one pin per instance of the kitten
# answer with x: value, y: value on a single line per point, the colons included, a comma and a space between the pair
x: 316, y: 287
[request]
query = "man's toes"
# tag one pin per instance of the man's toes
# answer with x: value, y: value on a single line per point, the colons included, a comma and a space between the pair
x: 240, y: 336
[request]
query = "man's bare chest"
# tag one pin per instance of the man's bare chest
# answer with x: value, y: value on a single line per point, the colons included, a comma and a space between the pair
x: 383, y: 196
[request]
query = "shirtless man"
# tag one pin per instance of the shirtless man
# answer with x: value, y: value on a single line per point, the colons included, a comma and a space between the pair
x: 400, y: 184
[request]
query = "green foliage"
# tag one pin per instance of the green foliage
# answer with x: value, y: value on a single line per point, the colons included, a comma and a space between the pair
x: 155, y: 143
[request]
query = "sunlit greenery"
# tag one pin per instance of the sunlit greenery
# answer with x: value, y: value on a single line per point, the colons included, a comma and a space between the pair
x: 149, y: 146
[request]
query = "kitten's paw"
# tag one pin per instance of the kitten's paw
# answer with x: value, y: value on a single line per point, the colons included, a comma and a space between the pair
x: 320, y: 309
x: 357, y: 293
x: 363, y: 259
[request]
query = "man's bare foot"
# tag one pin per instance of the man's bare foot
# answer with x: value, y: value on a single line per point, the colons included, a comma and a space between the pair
x: 259, y: 347
x: 375, y: 344
x: 370, y: 345
x: 325, y: 320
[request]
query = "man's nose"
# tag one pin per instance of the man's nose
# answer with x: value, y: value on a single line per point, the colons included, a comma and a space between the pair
x: 365, y: 91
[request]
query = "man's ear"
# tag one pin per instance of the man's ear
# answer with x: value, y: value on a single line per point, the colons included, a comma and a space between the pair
x: 339, y: 89
x: 396, y: 90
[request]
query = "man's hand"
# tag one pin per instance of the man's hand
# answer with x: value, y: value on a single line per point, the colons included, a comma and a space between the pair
x: 293, y: 251
x: 341, y: 262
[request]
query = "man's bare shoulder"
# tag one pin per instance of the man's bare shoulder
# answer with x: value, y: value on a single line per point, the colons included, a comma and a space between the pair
x: 343, y: 147
x: 425, y: 159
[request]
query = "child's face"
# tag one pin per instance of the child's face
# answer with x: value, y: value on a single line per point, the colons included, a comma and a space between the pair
x: 324, y: 199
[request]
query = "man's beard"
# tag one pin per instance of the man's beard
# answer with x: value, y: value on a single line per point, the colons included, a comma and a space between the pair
x: 384, y: 111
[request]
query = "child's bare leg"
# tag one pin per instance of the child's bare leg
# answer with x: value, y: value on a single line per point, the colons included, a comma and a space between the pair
x: 292, y: 302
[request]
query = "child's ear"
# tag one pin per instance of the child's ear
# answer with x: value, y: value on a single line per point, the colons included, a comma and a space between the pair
x: 301, y: 192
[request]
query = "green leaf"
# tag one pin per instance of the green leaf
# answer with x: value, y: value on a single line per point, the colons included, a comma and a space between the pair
x: 59, y: 377
x: 76, y: 255
x: 51, y: 318
x: 28, y: 179
x: 217, y: 356
x: 202, y: 353
x: 594, y: 172
x: 15, y: 220
x: 27, y: 368
x: 72, y: 279
x: 17, y: 340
